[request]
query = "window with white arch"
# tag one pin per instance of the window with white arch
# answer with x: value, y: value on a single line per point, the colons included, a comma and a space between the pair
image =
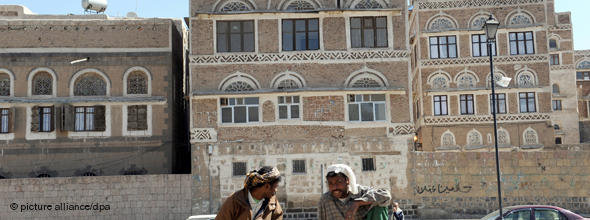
x: 5, y: 84
x: 439, y: 81
x: 368, y: 4
x: 503, y: 137
x: 478, y: 22
x: 441, y: 23
x: 526, y: 79
x: 466, y: 80
x: 288, y: 80
x: 239, y: 82
x: 520, y: 18
x: 235, y: 6
x: 530, y: 137
x: 497, y: 77
x: 366, y: 79
x: 42, y: 84
x: 447, y: 139
x: 137, y: 83
x: 474, y: 138
x: 90, y: 84
x: 299, y: 5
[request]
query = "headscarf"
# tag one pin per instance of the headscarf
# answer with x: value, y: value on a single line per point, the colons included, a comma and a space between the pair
x: 253, y: 178
x: 347, y: 171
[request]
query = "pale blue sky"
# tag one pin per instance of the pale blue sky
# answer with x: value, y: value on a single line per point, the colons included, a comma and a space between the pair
x: 179, y: 9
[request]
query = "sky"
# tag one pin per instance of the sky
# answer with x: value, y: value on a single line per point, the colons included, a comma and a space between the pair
x: 180, y: 9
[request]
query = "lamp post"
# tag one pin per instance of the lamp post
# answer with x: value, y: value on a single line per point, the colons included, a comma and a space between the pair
x: 491, y: 27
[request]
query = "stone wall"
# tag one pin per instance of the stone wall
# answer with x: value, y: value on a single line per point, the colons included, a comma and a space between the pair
x: 108, y: 197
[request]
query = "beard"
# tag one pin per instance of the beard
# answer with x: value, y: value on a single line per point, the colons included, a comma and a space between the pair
x: 338, y: 193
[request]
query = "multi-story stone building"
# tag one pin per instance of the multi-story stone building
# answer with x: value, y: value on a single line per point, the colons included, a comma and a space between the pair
x: 451, y: 75
x: 298, y: 84
x: 582, y: 62
x: 85, y: 95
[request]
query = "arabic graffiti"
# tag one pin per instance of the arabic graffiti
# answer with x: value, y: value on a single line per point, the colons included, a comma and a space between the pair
x: 442, y: 189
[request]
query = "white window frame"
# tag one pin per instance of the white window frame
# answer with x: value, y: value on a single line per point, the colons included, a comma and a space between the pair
x: 359, y: 103
x: 288, y: 105
x: 232, y: 107
x: 447, y: 106
x: 30, y: 135
x: 473, y: 104
x: 87, y: 134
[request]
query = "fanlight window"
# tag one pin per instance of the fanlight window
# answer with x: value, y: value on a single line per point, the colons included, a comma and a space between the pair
x: 466, y: 80
x: 441, y: 24
x: 4, y: 84
x: 503, y: 137
x: 235, y: 6
x: 447, y: 139
x: 365, y: 83
x: 300, y: 5
x: 439, y: 82
x: 474, y: 139
x: 479, y: 22
x: 584, y: 65
x: 287, y: 84
x: 521, y: 19
x: 526, y: 79
x: 137, y: 83
x: 497, y: 77
x: 368, y: 4
x: 366, y: 79
x: 42, y: 84
x: 530, y: 137
x: 90, y: 85
x: 239, y: 86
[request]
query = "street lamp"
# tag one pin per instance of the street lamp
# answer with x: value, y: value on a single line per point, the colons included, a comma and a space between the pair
x: 491, y: 27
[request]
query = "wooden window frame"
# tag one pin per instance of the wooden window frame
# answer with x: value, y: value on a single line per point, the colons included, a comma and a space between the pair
x: 294, y: 33
x: 524, y: 41
x: 464, y: 100
x: 227, y: 32
x: 438, y: 46
x: 373, y: 28
x: 440, y: 102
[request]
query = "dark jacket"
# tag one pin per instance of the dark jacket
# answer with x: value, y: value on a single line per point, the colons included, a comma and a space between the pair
x: 398, y: 216
x: 237, y: 207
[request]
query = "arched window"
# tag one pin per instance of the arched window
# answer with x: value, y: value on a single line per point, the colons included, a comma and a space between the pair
x: 503, y: 137
x: 441, y: 23
x: 366, y: 78
x: 530, y: 137
x: 474, y: 138
x: 526, y: 79
x: 42, y: 84
x: 239, y: 82
x: 439, y: 80
x: 498, y: 74
x: 555, y: 89
x: 466, y: 80
x: 299, y: 5
x: 553, y: 44
x: 478, y: 21
x: 519, y: 18
x: 137, y: 83
x: 367, y: 4
x: 90, y: 84
x: 235, y: 6
x: 288, y: 80
x: 447, y: 139
x: 5, y: 84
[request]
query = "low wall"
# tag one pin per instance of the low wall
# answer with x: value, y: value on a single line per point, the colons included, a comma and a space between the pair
x: 103, y: 197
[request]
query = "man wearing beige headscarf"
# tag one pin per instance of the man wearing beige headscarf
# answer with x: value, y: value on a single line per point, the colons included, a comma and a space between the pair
x: 346, y: 200
x: 256, y: 200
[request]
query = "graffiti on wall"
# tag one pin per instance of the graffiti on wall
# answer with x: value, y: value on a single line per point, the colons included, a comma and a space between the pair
x: 443, y: 189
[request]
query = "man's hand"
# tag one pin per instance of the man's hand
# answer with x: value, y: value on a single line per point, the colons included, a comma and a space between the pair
x: 355, y: 206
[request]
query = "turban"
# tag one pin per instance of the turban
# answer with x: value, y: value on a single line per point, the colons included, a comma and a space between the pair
x: 253, y: 178
x: 347, y: 171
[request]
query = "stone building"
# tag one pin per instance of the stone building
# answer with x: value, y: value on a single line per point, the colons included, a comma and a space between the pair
x: 90, y: 95
x: 298, y: 84
x: 451, y: 75
x: 582, y: 62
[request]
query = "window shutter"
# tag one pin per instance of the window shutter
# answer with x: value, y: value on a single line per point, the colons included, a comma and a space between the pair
x: 11, y: 125
x: 142, y: 117
x: 132, y: 117
x: 35, y: 120
x: 55, y: 117
x: 99, y: 118
x: 68, y: 116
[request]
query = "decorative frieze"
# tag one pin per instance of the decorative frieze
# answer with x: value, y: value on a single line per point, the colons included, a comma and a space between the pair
x: 483, y: 60
x: 203, y: 135
x: 476, y: 119
x: 562, y: 67
x: 363, y: 56
x: 403, y: 129
x: 473, y: 3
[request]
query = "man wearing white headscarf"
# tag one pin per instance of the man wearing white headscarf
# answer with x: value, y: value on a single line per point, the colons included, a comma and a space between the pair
x: 346, y: 200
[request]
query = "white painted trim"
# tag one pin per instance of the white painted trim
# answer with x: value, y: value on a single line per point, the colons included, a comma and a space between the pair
x: 29, y: 135
x: 239, y: 76
x: 285, y: 3
x: 32, y: 76
x: 84, y: 50
x: 443, y: 74
x: 144, y: 133
x: 524, y: 137
x: 353, y: 3
x: 451, y: 133
x: 525, y: 70
x: 219, y: 4
x: 517, y: 12
x: 146, y: 73
x: 298, y: 78
x: 90, y: 70
x: 478, y: 133
x: 366, y: 72
x: 441, y: 15
x: 11, y: 77
x: 9, y: 136
x: 466, y: 71
x: 94, y: 134
x: 478, y: 15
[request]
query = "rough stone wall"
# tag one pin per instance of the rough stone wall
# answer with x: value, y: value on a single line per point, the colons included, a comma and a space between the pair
x: 323, y: 108
x: 119, y: 197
